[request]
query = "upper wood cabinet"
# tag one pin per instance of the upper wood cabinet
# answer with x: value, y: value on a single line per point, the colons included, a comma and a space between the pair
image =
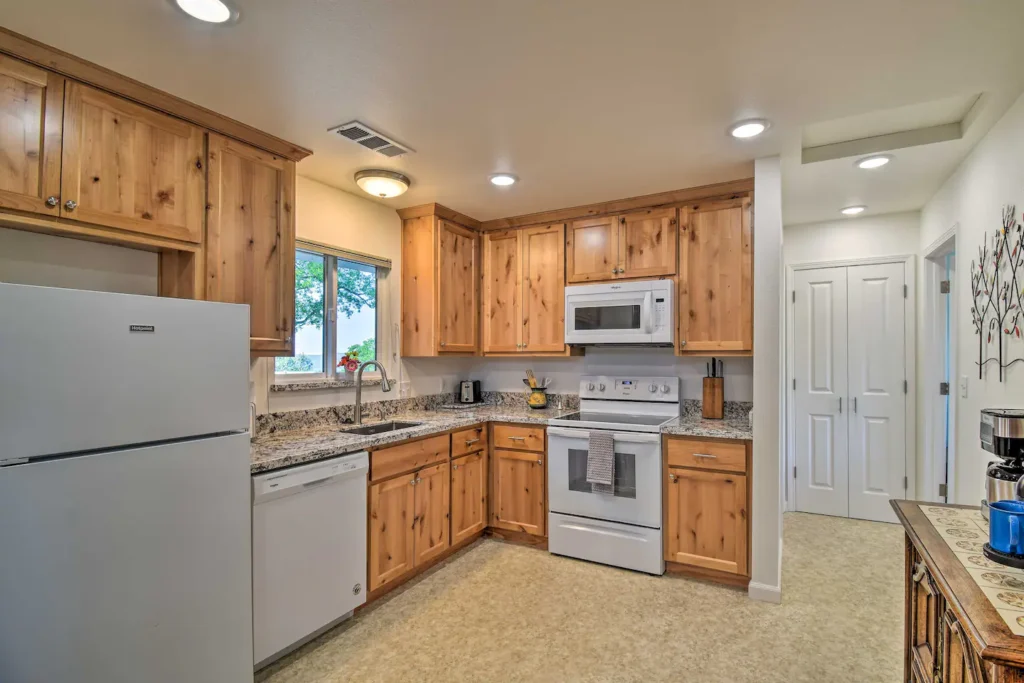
x: 634, y: 245
x: 440, y: 284
x: 716, y: 270
x: 31, y: 121
x: 128, y: 167
x: 524, y: 291
x: 250, y: 240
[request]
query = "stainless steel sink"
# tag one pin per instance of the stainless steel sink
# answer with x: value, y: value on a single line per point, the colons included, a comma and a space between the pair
x: 381, y: 427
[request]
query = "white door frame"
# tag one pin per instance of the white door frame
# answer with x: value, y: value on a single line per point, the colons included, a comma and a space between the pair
x: 909, y: 364
x: 932, y: 322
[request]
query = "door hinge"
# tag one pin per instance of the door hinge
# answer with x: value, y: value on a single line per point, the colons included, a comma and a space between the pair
x: 942, y: 490
x: 905, y: 291
x: 904, y: 386
x: 943, y: 388
x: 905, y: 483
x: 794, y: 471
x: 794, y: 296
x: 944, y: 287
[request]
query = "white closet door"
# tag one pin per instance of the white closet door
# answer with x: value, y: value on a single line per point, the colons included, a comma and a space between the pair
x: 821, y: 389
x: 878, y: 415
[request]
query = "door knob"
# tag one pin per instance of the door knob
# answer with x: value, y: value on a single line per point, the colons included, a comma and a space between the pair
x: 71, y: 205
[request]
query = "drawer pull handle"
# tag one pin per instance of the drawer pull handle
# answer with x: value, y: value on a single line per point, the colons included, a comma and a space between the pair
x: 470, y: 442
x: 919, y: 572
x: 704, y: 455
x: 517, y: 438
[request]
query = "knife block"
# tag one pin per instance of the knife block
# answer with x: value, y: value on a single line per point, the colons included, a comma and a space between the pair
x: 711, y: 406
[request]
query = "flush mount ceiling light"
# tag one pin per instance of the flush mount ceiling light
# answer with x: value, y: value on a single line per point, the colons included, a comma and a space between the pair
x: 503, y: 179
x: 381, y: 183
x: 876, y: 161
x: 749, y: 128
x: 211, y: 11
x: 853, y: 210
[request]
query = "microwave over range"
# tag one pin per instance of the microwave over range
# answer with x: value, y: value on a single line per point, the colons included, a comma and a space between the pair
x: 620, y: 313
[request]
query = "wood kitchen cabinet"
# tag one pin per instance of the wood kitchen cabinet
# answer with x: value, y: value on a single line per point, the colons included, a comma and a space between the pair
x: 128, y: 167
x: 519, y: 481
x: 469, y: 495
x: 706, y: 523
x: 433, y: 507
x: 31, y: 124
x: 524, y: 291
x: 440, y: 284
x: 716, y: 276
x: 634, y: 245
x: 250, y: 240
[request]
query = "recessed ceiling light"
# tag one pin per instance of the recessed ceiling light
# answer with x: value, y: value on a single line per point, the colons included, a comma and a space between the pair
x: 212, y: 11
x: 503, y: 179
x: 876, y: 161
x: 749, y: 128
x: 853, y: 210
x: 380, y: 183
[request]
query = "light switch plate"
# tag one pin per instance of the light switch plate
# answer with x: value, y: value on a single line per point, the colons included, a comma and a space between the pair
x: 963, y: 386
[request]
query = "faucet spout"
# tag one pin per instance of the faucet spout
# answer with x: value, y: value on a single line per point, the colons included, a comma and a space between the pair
x: 385, y: 385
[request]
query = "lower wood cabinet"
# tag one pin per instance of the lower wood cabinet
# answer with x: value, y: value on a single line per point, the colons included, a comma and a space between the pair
x: 518, y: 491
x: 925, y: 609
x: 706, y: 522
x: 469, y: 495
x: 408, y: 522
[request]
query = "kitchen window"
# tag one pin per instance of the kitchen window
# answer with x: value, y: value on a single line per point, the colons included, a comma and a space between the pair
x: 337, y: 311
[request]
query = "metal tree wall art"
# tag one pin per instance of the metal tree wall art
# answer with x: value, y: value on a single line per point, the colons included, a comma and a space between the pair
x: 997, y: 291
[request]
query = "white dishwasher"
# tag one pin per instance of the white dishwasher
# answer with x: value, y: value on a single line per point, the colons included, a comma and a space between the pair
x: 308, y: 551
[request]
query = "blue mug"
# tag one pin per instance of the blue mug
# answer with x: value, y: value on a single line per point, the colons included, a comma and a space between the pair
x: 1005, y: 518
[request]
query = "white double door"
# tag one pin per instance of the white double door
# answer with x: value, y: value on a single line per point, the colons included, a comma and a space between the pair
x: 850, y: 400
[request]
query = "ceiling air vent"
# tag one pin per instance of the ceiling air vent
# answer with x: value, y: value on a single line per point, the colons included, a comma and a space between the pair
x: 363, y: 135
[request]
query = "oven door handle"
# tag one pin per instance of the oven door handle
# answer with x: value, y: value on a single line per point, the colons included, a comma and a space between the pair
x: 621, y: 437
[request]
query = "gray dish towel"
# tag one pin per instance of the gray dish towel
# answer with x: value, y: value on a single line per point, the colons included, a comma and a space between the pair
x: 601, y: 462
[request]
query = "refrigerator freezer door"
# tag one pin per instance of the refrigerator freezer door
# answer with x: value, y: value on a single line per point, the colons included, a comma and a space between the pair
x: 127, y: 566
x: 92, y: 370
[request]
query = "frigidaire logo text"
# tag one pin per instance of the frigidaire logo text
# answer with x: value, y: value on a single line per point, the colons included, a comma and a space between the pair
x: 141, y: 328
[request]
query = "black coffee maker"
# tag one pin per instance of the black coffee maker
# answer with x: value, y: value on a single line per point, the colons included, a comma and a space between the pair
x: 1002, y: 433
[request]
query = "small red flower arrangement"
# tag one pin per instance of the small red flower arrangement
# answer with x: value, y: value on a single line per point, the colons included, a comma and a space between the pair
x: 350, y: 361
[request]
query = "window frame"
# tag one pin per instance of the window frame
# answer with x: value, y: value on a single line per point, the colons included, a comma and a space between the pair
x: 332, y: 256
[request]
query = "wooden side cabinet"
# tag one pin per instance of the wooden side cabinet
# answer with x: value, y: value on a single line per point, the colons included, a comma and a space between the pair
x: 634, y: 245
x: 250, y: 240
x: 716, y: 278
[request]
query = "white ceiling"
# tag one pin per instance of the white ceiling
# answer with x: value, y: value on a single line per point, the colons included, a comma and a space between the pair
x: 586, y: 100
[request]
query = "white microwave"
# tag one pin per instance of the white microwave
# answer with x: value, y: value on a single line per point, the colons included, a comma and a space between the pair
x: 620, y: 313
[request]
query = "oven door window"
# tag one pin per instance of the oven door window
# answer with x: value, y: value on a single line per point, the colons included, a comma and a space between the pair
x: 625, y: 474
x: 606, y: 317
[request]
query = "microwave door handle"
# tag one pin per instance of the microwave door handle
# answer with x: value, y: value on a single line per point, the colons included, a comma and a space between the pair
x: 647, y: 314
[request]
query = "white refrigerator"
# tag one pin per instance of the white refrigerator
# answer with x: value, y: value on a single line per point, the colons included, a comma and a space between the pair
x: 125, y: 513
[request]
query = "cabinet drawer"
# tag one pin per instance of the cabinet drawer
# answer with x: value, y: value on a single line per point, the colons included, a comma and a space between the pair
x: 388, y: 462
x: 519, y: 437
x: 706, y: 455
x: 469, y: 440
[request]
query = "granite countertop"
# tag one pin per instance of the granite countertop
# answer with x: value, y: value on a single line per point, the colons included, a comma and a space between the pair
x: 294, y: 447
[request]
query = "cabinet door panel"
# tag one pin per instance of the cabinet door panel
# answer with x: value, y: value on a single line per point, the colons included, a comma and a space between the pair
x: 31, y: 121
x: 959, y: 661
x: 392, y: 533
x: 648, y: 243
x: 925, y: 615
x: 706, y: 519
x: 131, y: 168
x: 716, y: 268
x: 250, y: 246
x: 469, y: 496
x: 592, y: 249
x: 432, y: 511
x: 502, y: 310
x: 458, y: 266
x: 544, y: 289
x: 518, y: 492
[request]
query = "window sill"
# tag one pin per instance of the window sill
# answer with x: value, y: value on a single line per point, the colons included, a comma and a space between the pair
x: 322, y: 384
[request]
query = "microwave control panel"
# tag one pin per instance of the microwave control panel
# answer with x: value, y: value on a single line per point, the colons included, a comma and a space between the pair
x: 660, y: 312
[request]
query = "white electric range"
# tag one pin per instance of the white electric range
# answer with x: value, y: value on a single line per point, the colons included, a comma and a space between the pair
x: 622, y: 528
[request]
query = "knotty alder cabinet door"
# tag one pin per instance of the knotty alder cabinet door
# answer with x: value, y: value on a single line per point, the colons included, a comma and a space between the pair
x: 131, y: 168
x: 706, y: 519
x: 592, y: 249
x: 469, y: 495
x: 250, y: 240
x: 502, y: 295
x: 458, y: 270
x: 716, y: 271
x: 432, y: 511
x: 31, y: 123
x: 640, y: 244
x: 517, y: 495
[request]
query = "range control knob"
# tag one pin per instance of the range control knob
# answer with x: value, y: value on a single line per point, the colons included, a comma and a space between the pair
x: 590, y: 386
x: 601, y: 387
x: 664, y: 388
x: 653, y: 388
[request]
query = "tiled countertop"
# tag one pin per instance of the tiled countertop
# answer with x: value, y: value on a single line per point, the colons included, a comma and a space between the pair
x: 294, y: 447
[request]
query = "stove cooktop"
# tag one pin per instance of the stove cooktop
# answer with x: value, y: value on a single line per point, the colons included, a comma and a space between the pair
x: 616, y: 418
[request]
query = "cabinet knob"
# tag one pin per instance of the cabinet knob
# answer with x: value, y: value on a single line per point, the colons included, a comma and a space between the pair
x: 539, y: 461
x: 442, y: 343
x: 71, y: 205
x: 672, y: 478
x: 412, y: 482
x: 455, y: 467
x: 52, y: 201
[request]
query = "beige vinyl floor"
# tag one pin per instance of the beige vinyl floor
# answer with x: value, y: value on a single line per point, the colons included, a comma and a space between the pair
x: 500, y: 612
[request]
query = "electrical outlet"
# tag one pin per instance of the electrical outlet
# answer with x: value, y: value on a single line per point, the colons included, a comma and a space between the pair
x: 963, y: 386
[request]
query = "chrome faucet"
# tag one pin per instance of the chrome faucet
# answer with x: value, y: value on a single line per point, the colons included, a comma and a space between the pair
x: 385, y: 385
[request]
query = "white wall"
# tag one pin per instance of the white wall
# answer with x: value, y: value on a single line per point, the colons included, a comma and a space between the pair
x: 766, y: 515
x: 29, y: 258
x: 991, y: 176
x: 886, y: 235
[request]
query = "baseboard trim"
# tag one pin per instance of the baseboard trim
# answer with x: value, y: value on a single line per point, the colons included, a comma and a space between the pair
x: 764, y: 593
x: 704, y: 574
x: 517, y: 537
